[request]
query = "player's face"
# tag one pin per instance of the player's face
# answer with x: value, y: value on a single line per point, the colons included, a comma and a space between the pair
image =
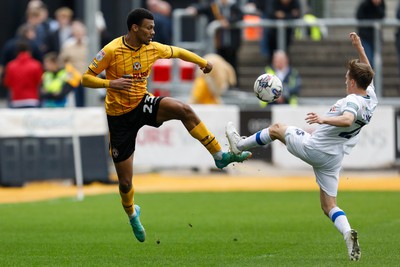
x: 146, y: 32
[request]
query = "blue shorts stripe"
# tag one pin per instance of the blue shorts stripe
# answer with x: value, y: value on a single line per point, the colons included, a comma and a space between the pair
x: 258, y: 139
x: 337, y: 214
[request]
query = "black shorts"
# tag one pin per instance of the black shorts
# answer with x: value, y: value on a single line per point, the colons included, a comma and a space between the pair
x: 124, y: 128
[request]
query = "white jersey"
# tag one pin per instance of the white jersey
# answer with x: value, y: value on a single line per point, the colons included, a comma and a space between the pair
x: 338, y: 140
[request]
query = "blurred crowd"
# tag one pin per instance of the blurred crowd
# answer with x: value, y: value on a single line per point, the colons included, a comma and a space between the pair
x: 42, y: 63
x: 53, y: 48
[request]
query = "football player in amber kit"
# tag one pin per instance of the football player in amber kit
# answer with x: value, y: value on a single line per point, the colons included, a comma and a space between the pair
x: 127, y: 61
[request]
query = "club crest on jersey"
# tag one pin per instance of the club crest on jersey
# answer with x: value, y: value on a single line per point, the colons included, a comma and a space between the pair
x: 137, y: 66
x: 100, y: 55
x: 115, y: 153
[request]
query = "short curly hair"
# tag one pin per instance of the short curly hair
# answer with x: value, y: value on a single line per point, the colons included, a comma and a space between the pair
x: 137, y: 15
x: 362, y: 73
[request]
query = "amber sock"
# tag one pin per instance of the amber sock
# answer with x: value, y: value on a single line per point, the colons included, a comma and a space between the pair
x: 127, y: 202
x: 208, y: 140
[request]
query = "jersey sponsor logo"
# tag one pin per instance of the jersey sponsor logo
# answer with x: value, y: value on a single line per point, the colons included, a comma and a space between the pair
x: 137, y: 66
x: 100, y: 55
x: 140, y: 76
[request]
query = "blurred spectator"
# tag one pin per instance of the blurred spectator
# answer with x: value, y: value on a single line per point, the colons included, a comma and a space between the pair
x: 227, y: 40
x: 289, y: 76
x: 57, y: 38
x: 162, y: 19
x: 54, y: 83
x: 315, y: 33
x: 49, y: 24
x: 264, y: 9
x: 208, y: 88
x: 23, y: 78
x: 25, y: 33
x: 282, y: 10
x: 36, y: 17
x: 75, y: 51
x: 370, y: 10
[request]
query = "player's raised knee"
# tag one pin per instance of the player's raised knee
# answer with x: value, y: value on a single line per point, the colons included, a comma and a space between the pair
x: 276, y: 127
x: 277, y: 131
x: 187, y: 111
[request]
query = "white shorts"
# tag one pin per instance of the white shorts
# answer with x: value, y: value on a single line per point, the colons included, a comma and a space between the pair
x: 326, y: 167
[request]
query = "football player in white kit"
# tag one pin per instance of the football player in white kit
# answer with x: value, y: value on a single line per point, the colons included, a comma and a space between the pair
x: 335, y: 136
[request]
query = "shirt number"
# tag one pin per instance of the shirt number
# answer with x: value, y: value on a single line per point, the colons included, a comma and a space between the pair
x: 148, y: 104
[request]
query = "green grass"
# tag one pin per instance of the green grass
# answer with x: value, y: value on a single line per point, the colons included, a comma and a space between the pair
x: 200, y: 229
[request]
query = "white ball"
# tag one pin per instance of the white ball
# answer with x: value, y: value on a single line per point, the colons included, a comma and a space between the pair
x: 268, y: 87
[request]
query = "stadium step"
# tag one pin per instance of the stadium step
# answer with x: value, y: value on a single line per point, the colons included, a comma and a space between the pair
x: 322, y: 70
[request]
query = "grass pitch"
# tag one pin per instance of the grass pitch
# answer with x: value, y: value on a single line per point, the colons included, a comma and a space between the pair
x: 200, y: 229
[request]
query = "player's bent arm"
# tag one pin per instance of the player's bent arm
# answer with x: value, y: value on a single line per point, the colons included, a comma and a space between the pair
x: 344, y: 120
x: 90, y: 79
x: 356, y: 41
x: 187, y: 55
x: 361, y: 54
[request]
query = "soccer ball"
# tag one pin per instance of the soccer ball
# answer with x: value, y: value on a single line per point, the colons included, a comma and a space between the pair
x: 268, y: 87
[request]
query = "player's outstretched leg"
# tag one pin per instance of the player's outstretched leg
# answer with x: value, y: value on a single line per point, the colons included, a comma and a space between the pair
x: 233, y: 138
x: 229, y: 157
x: 137, y: 227
x: 353, y: 247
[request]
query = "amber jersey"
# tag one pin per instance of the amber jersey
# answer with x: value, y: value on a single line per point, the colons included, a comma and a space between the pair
x: 118, y: 58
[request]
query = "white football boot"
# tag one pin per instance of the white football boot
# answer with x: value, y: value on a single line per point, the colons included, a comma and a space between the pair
x: 233, y: 138
x: 353, y: 247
